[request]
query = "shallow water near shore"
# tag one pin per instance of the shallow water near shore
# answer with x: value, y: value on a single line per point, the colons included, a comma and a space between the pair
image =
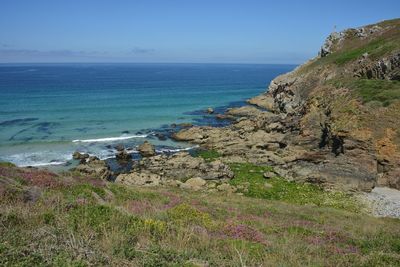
x: 48, y: 111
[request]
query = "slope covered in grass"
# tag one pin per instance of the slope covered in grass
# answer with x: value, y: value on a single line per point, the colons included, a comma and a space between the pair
x: 70, y: 220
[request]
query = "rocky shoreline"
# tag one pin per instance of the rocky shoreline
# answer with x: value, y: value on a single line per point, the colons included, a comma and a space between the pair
x: 305, y: 126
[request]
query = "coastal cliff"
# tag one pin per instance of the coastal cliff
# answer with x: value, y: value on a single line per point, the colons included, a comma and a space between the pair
x: 251, y: 194
x: 333, y: 121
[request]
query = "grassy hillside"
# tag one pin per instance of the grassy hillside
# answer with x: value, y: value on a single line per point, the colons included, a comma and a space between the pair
x: 72, y: 220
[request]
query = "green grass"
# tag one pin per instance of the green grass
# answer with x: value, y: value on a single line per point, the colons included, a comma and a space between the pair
x: 375, y: 49
x: 291, y: 192
x: 383, y: 91
x: 130, y: 226
x: 372, y: 90
x: 6, y: 164
x: 208, y: 155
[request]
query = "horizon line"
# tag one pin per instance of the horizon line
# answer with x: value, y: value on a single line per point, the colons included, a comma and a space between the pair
x: 84, y: 62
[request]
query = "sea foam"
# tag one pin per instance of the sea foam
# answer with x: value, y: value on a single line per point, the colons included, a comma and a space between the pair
x: 109, y: 139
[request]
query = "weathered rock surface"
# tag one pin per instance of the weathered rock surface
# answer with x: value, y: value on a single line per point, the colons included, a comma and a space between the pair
x: 95, y: 167
x: 245, y: 111
x: 146, y: 149
x: 123, y: 156
x: 162, y: 169
x: 263, y: 101
x: 80, y: 156
x: 385, y: 68
x: 190, y: 134
x: 139, y: 179
x: 182, y: 166
x: 194, y: 184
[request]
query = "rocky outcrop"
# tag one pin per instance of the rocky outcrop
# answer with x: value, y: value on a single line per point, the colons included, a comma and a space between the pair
x: 122, y: 155
x: 309, y: 126
x: 245, y: 111
x: 94, y: 167
x: 183, y: 166
x: 336, y: 40
x: 192, y: 134
x: 386, y: 68
x: 312, y: 131
x: 139, y: 179
x: 146, y: 149
x: 263, y: 101
x: 162, y: 169
x: 80, y: 156
x: 333, y: 39
x: 194, y: 184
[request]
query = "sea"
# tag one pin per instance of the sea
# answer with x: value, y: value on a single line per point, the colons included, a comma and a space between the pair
x: 48, y: 111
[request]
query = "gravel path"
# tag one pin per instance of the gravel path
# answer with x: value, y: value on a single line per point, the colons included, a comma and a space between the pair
x: 383, y: 201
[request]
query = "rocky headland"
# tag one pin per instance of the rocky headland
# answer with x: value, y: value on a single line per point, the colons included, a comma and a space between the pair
x: 291, y: 181
x: 333, y: 121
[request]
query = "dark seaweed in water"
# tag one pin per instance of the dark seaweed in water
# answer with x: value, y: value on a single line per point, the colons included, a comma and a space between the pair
x: 42, y: 127
x: 218, y: 110
x: 46, y: 126
x: 18, y: 122
x: 204, y: 119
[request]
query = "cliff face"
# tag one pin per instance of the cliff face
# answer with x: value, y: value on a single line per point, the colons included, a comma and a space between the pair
x: 346, y: 105
x: 334, y: 120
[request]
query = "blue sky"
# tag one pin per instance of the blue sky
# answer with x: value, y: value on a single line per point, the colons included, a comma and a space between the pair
x: 209, y: 31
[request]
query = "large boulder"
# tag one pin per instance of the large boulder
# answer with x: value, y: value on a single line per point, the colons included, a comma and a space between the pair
x: 263, y: 101
x: 191, y: 134
x: 195, y: 184
x: 146, y: 149
x: 95, y: 167
x: 139, y: 179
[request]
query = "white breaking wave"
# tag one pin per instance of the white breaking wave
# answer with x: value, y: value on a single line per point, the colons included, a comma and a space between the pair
x: 37, y: 159
x: 109, y: 139
x: 162, y: 150
x: 43, y: 164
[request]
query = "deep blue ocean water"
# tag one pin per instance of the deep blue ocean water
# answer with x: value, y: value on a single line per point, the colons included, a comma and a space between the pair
x: 48, y: 111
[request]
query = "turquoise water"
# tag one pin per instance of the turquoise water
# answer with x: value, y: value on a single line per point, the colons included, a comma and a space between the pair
x: 48, y: 111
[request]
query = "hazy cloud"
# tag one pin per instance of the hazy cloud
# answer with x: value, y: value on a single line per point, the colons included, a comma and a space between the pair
x: 4, y: 45
x: 29, y: 55
x: 139, y: 50
x: 63, y: 53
